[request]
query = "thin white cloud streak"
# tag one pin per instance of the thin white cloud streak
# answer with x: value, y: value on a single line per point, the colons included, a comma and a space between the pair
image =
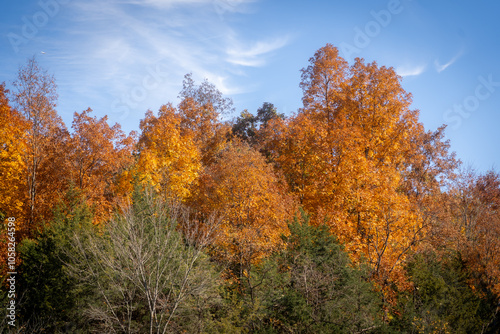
x: 255, y: 55
x: 234, y: 6
x: 407, y: 71
x: 440, y: 68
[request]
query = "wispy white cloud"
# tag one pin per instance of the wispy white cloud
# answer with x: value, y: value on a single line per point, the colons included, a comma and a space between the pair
x: 441, y: 67
x: 176, y: 3
x: 410, y: 70
x: 166, y: 3
x: 111, y: 47
x: 256, y: 54
x: 219, y: 5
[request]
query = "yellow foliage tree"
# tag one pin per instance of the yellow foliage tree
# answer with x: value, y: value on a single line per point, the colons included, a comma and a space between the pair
x: 168, y: 157
x: 13, y: 187
x: 12, y: 148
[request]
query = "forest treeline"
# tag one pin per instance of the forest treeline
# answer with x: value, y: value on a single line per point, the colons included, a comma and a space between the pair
x: 345, y: 217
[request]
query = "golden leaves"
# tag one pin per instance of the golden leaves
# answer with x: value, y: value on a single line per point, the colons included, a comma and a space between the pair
x: 12, y: 148
x: 254, y: 206
x: 346, y: 155
x: 169, y: 158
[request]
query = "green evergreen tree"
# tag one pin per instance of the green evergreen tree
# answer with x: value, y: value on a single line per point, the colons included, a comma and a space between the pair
x: 443, y: 299
x: 49, y: 298
x: 311, y: 286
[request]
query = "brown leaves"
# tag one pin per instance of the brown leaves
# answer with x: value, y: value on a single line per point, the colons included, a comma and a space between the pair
x: 470, y: 223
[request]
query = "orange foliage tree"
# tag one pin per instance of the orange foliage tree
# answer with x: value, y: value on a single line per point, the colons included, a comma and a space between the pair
x: 12, y: 148
x: 470, y: 224
x: 200, y: 110
x: 174, y: 145
x: 347, y: 154
x: 252, y: 202
x: 35, y: 98
x: 13, y: 188
x: 98, y: 156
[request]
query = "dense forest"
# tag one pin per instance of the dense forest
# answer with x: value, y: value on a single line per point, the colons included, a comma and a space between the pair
x: 344, y: 217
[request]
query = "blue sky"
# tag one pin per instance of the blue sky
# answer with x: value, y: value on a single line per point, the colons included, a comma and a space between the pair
x: 123, y: 57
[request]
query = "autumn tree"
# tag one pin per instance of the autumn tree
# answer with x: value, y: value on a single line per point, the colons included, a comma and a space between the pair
x: 248, y: 127
x: 201, y: 109
x: 252, y: 202
x: 35, y: 98
x: 470, y: 224
x: 13, y: 187
x: 174, y: 145
x: 97, y: 157
x: 486, y: 241
x: 12, y: 148
x: 292, y: 149
x: 168, y: 158
x: 347, y: 154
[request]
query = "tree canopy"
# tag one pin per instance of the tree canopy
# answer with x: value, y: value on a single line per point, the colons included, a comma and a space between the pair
x: 345, y: 216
